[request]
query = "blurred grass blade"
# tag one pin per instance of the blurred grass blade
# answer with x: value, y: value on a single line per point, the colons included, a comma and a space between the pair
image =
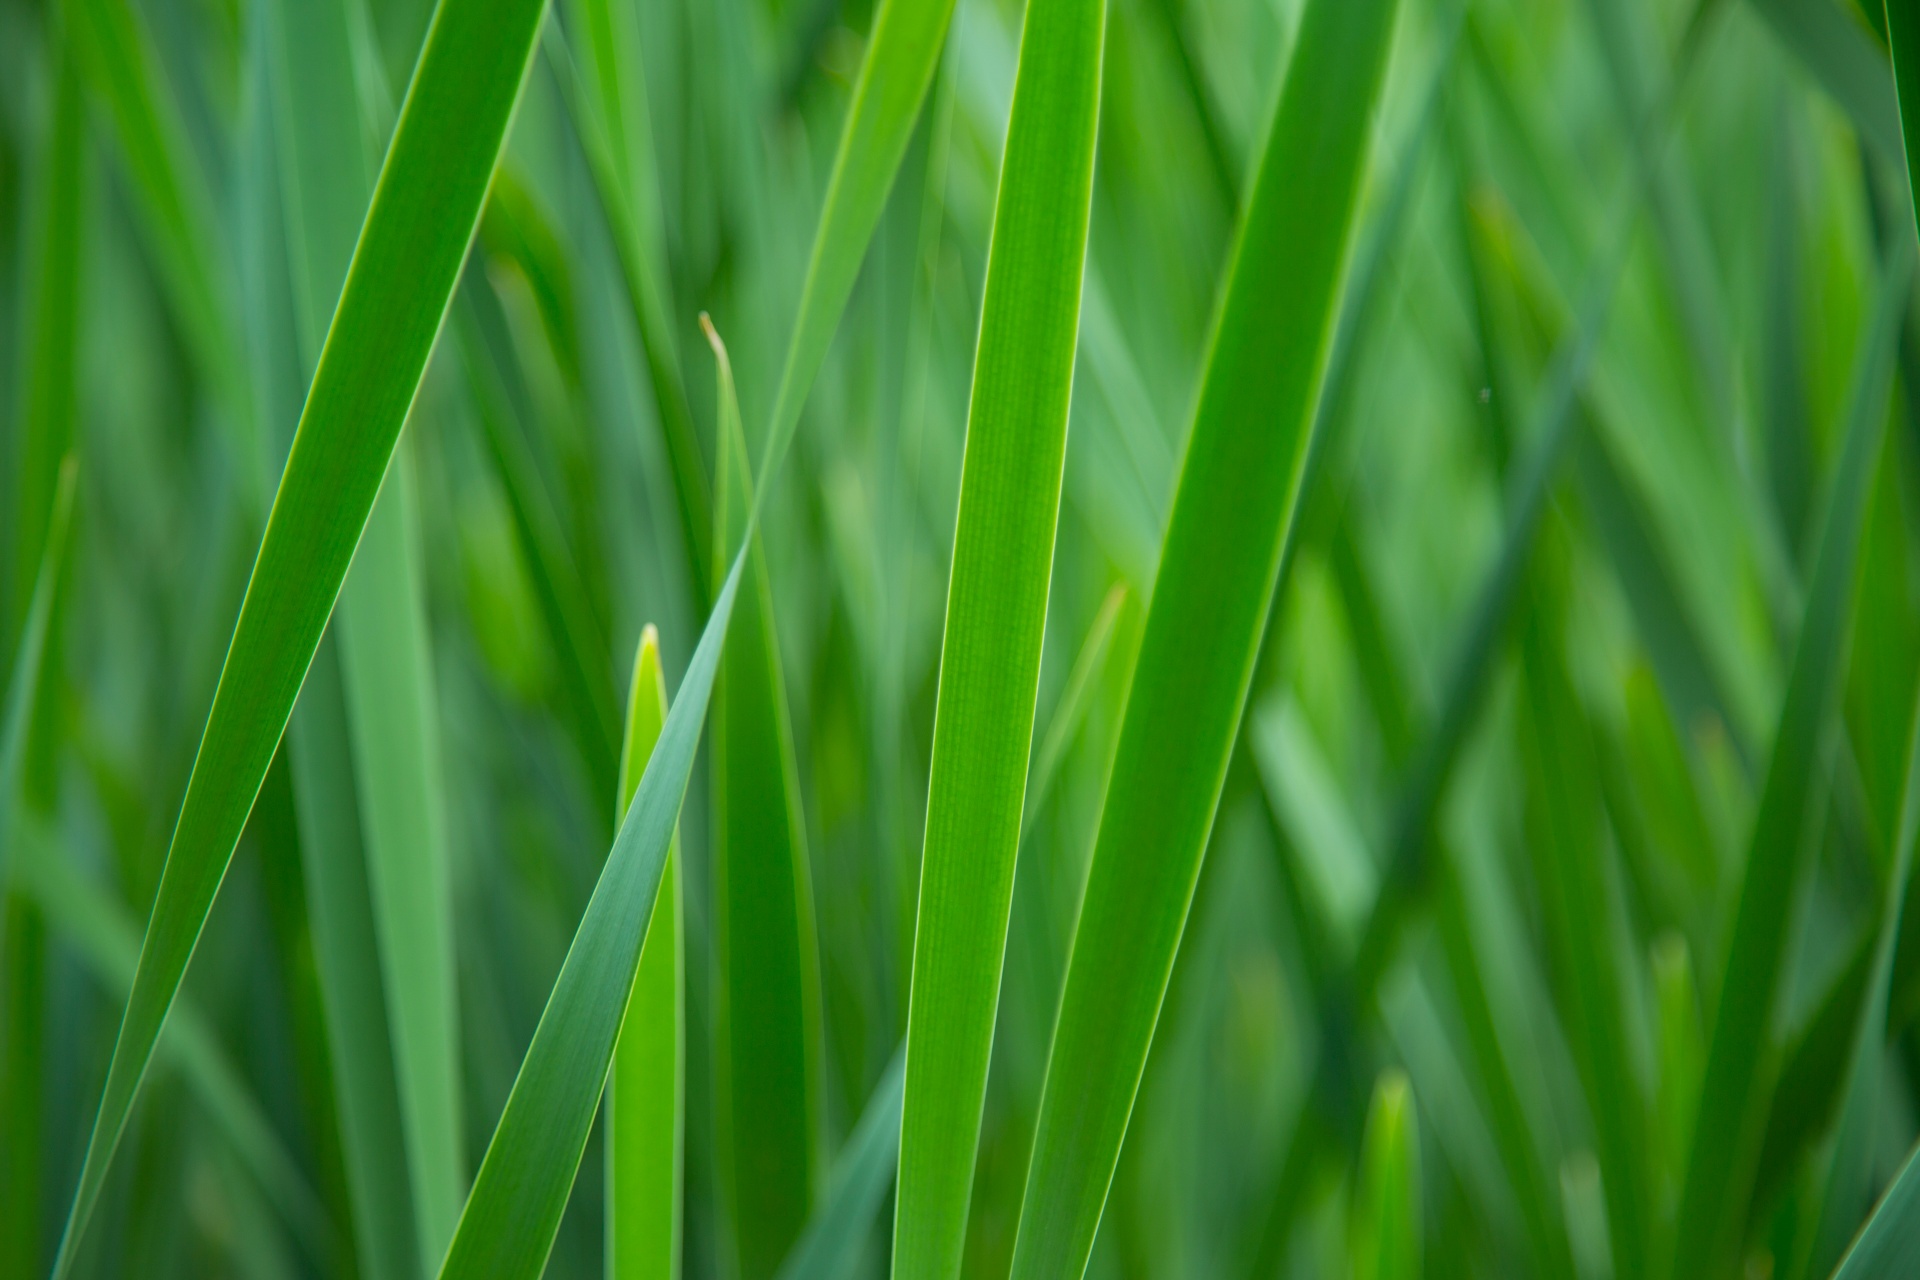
x: 417, y: 231
x: 176, y: 201
x: 394, y: 726
x: 1583, y: 925
x: 1237, y: 496
x: 1888, y: 1246
x: 25, y: 681
x: 1071, y: 711
x: 1838, y: 51
x: 996, y: 618
x: 903, y: 49
x: 1740, y: 1055
x: 766, y: 995
x: 46, y: 363
x: 508, y: 1225
x: 1384, y: 1231
x: 647, y: 1091
x: 107, y: 942
x: 1849, y: 1177
x: 830, y: 1246
x: 392, y: 719
x: 610, y: 114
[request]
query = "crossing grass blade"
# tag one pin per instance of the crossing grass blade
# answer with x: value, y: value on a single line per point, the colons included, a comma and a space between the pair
x: 424, y: 211
x: 1237, y: 495
x: 1740, y: 1054
x: 508, y: 1225
x: 1385, y: 1226
x: 1888, y: 1246
x: 568, y: 1060
x: 647, y: 1091
x: 767, y: 1033
x: 107, y: 941
x: 830, y: 1246
x: 392, y: 716
x: 996, y: 620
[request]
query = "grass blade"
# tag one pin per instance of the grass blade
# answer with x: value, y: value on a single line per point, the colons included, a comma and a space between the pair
x: 610, y: 114
x: 830, y: 1246
x: 647, y: 1093
x: 1385, y: 1227
x: 177, y: 202
x: 425, y: 208
x: 1237, y: 495
x: 766, y: 974
x: 388, y: 681
x: 1071, y: 711
x: 45, y: 423
x: 383, y: 653
x: 996, y: 620
x: 1888, y: 1247
x: 1731, y: 1116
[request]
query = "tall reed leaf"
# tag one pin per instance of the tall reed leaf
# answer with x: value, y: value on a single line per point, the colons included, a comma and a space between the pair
x: 1236, y: 499
x: 380, y: 622
x: 524, y: 1177
x: 1384, y: 1229
x: 1740, y: 1052
x: 766, y: 1035
x: 425, y: 208
x: 646, y: 1094
x: 1888, y: 1247
x: 996, y: 620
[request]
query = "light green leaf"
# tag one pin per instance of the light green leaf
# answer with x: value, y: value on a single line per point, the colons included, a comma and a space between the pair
x: 766, y: 1033
x: 647, y: 1091
x: 1237, y: 496
x: 1384, y: 1230
x: 996, y: 620
x: 424, y: 211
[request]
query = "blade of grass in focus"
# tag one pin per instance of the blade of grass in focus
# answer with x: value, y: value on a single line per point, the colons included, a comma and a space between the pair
x: 1236, y: 498
x: 1740, y: 1055
x: 392, y: 717
x: 1384, y: 1229
x: 767, y: 1034
x: 995, y: 621
x: 646, y: 1093
x: 425, y: 208
x: 830, y: 1246
x: 1888, y: 1246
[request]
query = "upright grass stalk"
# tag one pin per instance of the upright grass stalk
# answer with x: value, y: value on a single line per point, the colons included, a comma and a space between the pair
x: 767, y: 1035
x: 1742, y: 1058
x: 996, y: 619
x: 1232, y: 513
x: 647, y: 1090
x: 425, y: 208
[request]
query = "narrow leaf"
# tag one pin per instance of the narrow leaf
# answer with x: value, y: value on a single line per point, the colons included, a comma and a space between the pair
x: 996, y: 620
x: 424, y: 211
x: 1384, y: 1231
x: 647, y: 1092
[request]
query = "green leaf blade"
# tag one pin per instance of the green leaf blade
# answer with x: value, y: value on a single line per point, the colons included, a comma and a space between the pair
x: 995, y: 622
x: 1237, y: 494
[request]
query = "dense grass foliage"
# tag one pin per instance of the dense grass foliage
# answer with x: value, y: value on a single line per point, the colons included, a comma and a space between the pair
x: 789, y: 639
